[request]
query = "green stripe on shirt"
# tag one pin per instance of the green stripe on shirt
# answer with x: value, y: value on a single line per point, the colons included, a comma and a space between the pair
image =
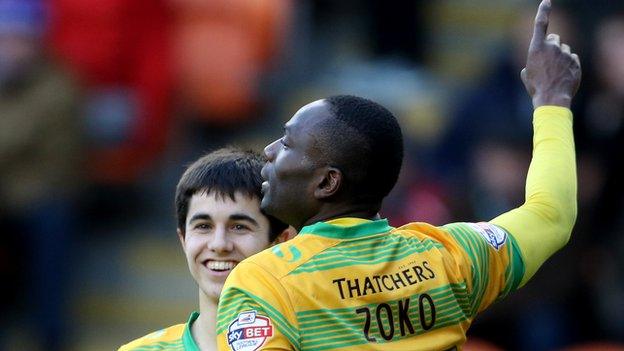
x: 370, y: 251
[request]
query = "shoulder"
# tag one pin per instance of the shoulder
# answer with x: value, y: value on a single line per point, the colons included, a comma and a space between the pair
x: 281, y: 259
x: 414, y: 228
x: 451, y: 233
x: 447, y: 238
x: 485, y: 232
x: 158, y: 340
x: 424, y: 231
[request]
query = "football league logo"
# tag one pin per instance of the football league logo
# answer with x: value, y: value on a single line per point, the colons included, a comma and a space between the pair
x: 249, y: 331
x: 493, y: 235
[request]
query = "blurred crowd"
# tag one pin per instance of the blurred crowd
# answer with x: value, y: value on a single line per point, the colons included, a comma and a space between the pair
x: 100, y: 97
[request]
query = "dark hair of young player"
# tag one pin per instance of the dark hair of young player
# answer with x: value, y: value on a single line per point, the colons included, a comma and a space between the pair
x: 225, y: 171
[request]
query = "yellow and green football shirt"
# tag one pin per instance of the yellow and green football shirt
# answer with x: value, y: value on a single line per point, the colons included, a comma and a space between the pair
x: 354, y: 284
x: 177, y: 337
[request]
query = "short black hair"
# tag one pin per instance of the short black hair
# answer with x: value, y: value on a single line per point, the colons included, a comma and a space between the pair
x: 364, y: 141
x: 225, y: 171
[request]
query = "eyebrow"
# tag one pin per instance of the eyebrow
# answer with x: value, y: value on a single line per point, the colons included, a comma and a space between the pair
x: 235, y: 217
x: 243, y: 217
x: 200, y: 216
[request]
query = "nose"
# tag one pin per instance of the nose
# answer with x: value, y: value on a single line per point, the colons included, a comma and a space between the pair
x: 220, y: 242
x: 270, y: 151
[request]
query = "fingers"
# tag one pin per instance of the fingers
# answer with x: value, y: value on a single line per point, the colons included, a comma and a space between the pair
x: 576, y: 59
x: 554, y: 38
x: 541, y: 24
x: 565, y: 48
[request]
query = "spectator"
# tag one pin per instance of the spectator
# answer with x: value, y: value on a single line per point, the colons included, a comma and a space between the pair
x: 120, y: 52
x: 221, y: 50
x: 39, y: 158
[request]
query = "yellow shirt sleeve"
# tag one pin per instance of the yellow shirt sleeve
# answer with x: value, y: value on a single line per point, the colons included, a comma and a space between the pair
x: 542, y: 225
x: 255, y: 313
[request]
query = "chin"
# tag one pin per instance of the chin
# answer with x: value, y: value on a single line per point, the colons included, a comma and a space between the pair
x: 265, y: 206
x: 264, y: 203
x: 212, y: 292
x: 268, y: 207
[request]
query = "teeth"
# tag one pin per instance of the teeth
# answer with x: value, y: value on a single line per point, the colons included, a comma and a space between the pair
x: 221, y: 265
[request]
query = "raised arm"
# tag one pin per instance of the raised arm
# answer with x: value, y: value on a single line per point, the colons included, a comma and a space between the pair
x: 542, y: 225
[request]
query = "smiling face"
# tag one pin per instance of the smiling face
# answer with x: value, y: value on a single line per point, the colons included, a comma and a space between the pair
x: 221, y: 232
x: 294, y: 167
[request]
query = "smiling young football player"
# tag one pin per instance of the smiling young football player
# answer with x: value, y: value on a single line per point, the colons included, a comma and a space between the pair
x: 219, y: 225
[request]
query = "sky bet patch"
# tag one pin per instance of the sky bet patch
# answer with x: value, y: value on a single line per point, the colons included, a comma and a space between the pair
x: 249, y: 331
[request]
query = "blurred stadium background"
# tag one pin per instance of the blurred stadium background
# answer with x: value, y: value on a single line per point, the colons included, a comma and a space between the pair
x: 103, y: 102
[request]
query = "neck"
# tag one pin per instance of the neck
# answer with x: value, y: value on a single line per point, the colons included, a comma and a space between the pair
x: 332, y: 211
x: 204, y: 330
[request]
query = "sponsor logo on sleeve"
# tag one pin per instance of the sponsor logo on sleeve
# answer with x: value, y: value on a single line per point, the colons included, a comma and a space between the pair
x: 249, y: 331
x: 492, y: 234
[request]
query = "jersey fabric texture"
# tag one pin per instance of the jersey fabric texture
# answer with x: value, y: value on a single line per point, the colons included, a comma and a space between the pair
x: 177, y: 337
x: 352, y: 283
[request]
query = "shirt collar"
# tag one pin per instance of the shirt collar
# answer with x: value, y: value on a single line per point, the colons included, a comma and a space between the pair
x: 347, y: 228
x: 187, y: 338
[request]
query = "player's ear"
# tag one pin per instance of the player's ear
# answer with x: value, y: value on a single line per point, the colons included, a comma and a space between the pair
x: 182, y: 238
x: 329, y: 183
x: 286, y: 235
